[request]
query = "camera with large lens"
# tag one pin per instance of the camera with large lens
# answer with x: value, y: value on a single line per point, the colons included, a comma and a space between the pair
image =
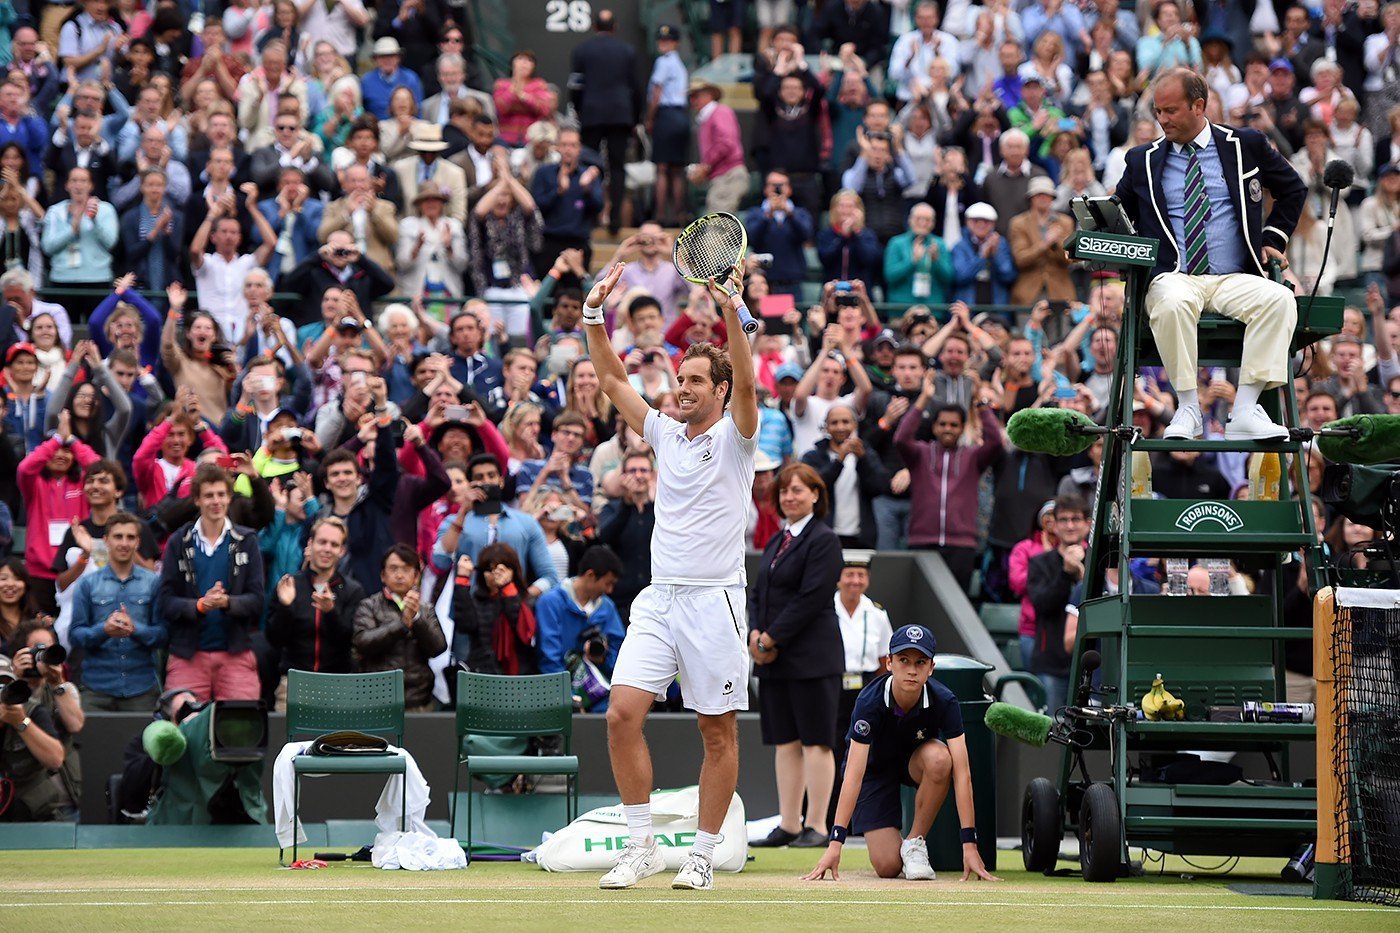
x: 52, y: 655
x: 14, y: 692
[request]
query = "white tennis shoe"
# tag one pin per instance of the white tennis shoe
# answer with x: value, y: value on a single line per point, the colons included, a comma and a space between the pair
x: 914, y: 853
x: 638, y: 860
x: 1186, y: 426
x: 697, y: 874
x: 1254, y: 424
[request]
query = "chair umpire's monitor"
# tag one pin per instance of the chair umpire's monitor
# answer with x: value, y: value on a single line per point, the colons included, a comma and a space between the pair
x: 238, y: 731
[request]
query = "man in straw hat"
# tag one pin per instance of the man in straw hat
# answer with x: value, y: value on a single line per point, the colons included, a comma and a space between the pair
x: 721, y: 148
x: 427, y: 164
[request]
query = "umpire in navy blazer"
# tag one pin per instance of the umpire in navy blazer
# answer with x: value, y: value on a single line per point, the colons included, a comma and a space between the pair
x: 1199, y: 191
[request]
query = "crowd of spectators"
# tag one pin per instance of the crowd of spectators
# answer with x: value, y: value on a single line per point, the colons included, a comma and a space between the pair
x: 308, y: 386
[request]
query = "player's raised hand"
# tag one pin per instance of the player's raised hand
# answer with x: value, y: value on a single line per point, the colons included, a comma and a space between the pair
x: 830, y: 862
x: 604, y: 286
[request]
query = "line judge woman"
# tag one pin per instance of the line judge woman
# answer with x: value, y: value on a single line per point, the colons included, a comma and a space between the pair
x: 796, y: 644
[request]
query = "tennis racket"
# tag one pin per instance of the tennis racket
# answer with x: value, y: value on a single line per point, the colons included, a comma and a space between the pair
x: 708, y: 249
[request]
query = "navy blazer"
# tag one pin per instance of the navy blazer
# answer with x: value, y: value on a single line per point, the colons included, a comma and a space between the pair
x: 1251, y: 166
x: 792, y: 601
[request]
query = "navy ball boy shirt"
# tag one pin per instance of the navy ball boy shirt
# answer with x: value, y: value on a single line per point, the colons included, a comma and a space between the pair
x: 892, y: 734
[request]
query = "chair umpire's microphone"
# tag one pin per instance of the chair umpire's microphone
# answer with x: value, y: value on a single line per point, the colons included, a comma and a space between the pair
x: 1089, y: 662
x: 1338, y: 176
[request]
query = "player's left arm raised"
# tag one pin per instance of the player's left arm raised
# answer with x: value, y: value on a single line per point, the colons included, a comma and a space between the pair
x: 967, y: 815
x: 743, y: 407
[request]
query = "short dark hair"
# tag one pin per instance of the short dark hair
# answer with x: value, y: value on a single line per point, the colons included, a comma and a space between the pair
x: 124, y: 357
x: 908, y: 349
x: 404, y: 553
x: 483, y: 459
x: 1071, y: 502
x: 807, y: 477
x: 600, y: 560
x: 111, y: 468
x: 123, y: 518
x: 1321, y: 393
x: 568, y: 294
x: 567, y: 418
x: 962, y: 337
x: 209, y: 474
x: 336, y: 457
x: 951, y: 408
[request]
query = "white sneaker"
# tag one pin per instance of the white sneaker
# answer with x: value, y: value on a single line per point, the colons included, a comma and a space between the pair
x: 697, y: 874
x: 637, y: 861
x: 1186, y: 426
x: 1254, y: 424
x: 914, y: 853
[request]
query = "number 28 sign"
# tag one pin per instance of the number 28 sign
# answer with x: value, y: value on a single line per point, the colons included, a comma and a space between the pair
x: 568, y: 15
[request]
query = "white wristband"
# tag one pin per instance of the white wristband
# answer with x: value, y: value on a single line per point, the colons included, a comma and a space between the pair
x: 592, y: 315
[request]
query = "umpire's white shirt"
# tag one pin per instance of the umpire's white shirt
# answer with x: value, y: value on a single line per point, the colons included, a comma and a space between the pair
x: 704, y: 492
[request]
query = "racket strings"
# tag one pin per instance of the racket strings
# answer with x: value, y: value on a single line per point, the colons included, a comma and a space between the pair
x: 710, y: 251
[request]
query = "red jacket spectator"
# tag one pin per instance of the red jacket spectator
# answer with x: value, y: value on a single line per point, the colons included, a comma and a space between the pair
x: 150, y: 478
x: 943, y: 482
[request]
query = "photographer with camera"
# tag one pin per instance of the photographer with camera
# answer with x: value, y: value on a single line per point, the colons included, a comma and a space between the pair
x: 579, y: 629
x: 30, y: 751
x: 114, y: 620
x: 245, y: 426
x: 196, y: 356
x: 338, y: 264
x: 484, y: 518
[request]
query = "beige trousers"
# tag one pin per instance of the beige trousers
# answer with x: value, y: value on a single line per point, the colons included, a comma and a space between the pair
x: 1268, y: 310
x: 727, y: 190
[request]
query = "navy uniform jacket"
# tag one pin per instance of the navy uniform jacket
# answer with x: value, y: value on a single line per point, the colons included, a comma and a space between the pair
x: 605, y: 82
x: 893, y: 738
x: 1251, y: 167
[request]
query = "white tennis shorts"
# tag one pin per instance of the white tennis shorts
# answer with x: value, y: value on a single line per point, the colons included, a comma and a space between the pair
x: 694, y: 632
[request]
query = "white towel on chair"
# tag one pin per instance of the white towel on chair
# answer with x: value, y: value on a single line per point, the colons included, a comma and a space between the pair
x: 386, y: 811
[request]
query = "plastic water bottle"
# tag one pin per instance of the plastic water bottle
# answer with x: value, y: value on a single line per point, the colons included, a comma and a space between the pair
x: 1142, y: 475
x: 1176, y: 576
x: 1265, y: 472
x: 1219, y: 570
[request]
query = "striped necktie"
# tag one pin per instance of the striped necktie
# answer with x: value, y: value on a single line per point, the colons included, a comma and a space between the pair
x: 783, y: 545
x: 1197, y: 212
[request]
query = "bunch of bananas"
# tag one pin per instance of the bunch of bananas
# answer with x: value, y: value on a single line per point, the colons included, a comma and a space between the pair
x: 1159, y: 705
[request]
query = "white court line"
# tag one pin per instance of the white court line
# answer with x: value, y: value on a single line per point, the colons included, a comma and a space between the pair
x: 625, y: 900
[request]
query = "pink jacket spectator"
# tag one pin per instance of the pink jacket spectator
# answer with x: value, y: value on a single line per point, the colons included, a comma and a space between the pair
x: 55, y: 499
x: 150, y: 478
x: 1017, y: 563
x: 515, y: 112
x: 721, y: 147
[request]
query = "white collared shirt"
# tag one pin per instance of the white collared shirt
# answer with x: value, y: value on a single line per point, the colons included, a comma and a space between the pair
x: 706, y: 111
x: 1203, y: 139
x: 865, y: 634
x: 797, y: 527
x: 206, y: 546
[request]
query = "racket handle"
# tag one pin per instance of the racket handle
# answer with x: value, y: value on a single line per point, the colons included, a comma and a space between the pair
x: 746, y: 319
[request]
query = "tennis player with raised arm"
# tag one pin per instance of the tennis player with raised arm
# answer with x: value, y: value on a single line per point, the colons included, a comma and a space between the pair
x: 687, y: 621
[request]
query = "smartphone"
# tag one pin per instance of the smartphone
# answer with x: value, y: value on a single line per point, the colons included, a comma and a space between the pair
x: 1059, y: 307
x: 455, y: 413
x: 1066, y: 124
x: 358, y: 378
x: 843, y: 287
x: 491, y: 505
x: 226, y: 462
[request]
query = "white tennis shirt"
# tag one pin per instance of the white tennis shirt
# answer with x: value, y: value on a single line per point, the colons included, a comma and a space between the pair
x: 704, y: 492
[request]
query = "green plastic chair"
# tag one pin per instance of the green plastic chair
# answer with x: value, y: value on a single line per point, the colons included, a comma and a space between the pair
x: 321, y: 703
x: 500, y: 705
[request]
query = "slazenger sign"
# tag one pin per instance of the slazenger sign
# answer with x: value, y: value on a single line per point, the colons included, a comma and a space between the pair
x: 1195, y: 515
x: 1116, y: 249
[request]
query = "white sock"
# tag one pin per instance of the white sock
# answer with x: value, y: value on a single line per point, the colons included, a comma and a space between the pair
x: 705, y: 844
x: 1188, y: 398
x: 638, y: 821
x: 1246, y: 397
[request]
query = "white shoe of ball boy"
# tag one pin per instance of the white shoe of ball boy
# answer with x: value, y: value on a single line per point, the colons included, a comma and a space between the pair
x: 914, y: 853
x: 637, y: 861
